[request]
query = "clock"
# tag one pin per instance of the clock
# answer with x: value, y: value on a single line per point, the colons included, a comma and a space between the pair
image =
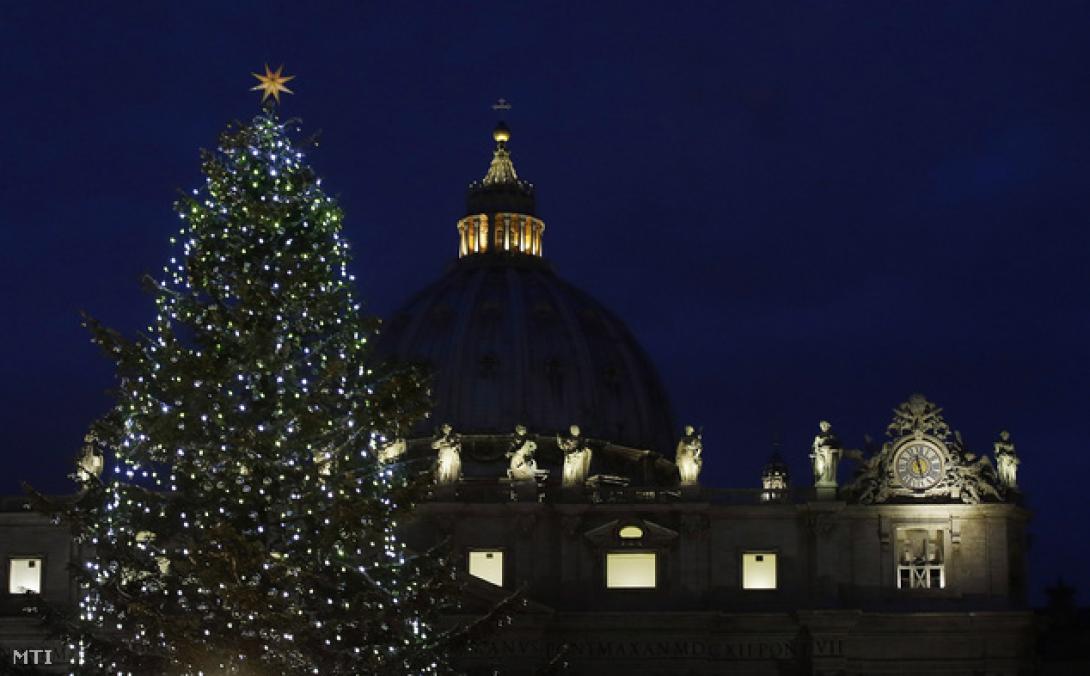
x: 918, y: 465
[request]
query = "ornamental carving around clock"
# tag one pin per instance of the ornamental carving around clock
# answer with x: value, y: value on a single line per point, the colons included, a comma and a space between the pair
x: 923, y: 459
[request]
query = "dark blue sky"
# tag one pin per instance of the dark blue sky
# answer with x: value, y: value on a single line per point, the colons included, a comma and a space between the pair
x: 804, y: 211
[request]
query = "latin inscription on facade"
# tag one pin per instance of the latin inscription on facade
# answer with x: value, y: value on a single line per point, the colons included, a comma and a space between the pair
x: 727, y: 649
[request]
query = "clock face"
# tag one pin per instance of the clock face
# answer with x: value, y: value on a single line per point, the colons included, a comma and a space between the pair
x: 918, y: 466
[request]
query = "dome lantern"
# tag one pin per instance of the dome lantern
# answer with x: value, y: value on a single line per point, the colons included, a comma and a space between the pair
x: 500, y: 208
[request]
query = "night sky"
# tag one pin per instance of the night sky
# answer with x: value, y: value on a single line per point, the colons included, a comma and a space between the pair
x: 802, y: 211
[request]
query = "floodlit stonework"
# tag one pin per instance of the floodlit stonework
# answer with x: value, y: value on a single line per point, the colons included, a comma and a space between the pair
x: 905, y: 586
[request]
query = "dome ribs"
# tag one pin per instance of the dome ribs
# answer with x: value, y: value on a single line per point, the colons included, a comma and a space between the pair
x: 517, y: 313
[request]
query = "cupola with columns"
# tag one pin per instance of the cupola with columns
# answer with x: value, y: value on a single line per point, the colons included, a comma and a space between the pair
x: 500, y: 209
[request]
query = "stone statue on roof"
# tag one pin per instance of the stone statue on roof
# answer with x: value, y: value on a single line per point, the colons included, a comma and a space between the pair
x: 825, y: 455
x: 1007, y: 461
x: 577, y: 456
x: 521, y: 454
x: 448, y: 463
x: 91, y: 461
x: 688, y: 458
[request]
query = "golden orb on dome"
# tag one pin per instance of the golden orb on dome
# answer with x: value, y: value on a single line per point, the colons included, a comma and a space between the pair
x: 501, y: 134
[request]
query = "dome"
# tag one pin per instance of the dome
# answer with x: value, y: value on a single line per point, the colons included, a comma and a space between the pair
x: 509, y: 342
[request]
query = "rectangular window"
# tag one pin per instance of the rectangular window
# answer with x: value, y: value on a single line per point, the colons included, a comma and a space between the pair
x: 487, y: 565
x: 631, y: 570
x: 921, y: 562
x: 759, y: 570
x: 25, y: 575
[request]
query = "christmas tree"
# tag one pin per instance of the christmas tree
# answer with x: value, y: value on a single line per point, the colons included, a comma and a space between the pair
x: 249, y: 521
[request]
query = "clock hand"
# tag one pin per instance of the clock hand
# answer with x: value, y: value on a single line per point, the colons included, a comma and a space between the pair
x: 919, y: 465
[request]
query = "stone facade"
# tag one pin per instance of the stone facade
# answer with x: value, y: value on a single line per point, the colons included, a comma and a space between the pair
x: 917, y: 565
x: 836, y: 606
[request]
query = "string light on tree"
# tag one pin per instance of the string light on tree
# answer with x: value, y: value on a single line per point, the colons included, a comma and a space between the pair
x: 248, y: 524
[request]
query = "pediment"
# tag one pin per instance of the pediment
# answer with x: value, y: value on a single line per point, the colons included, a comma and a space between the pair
x: 608, y: 534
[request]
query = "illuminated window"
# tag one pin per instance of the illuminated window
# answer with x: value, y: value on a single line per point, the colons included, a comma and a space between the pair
x: 25, y: 576
x: 758, y: 570
x: 631, y: 570
x: 921, y: 564
x: 631, y: 533
x: 487, y: 565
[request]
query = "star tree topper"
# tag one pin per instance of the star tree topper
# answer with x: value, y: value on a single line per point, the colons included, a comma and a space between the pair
x: 272, y: 83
